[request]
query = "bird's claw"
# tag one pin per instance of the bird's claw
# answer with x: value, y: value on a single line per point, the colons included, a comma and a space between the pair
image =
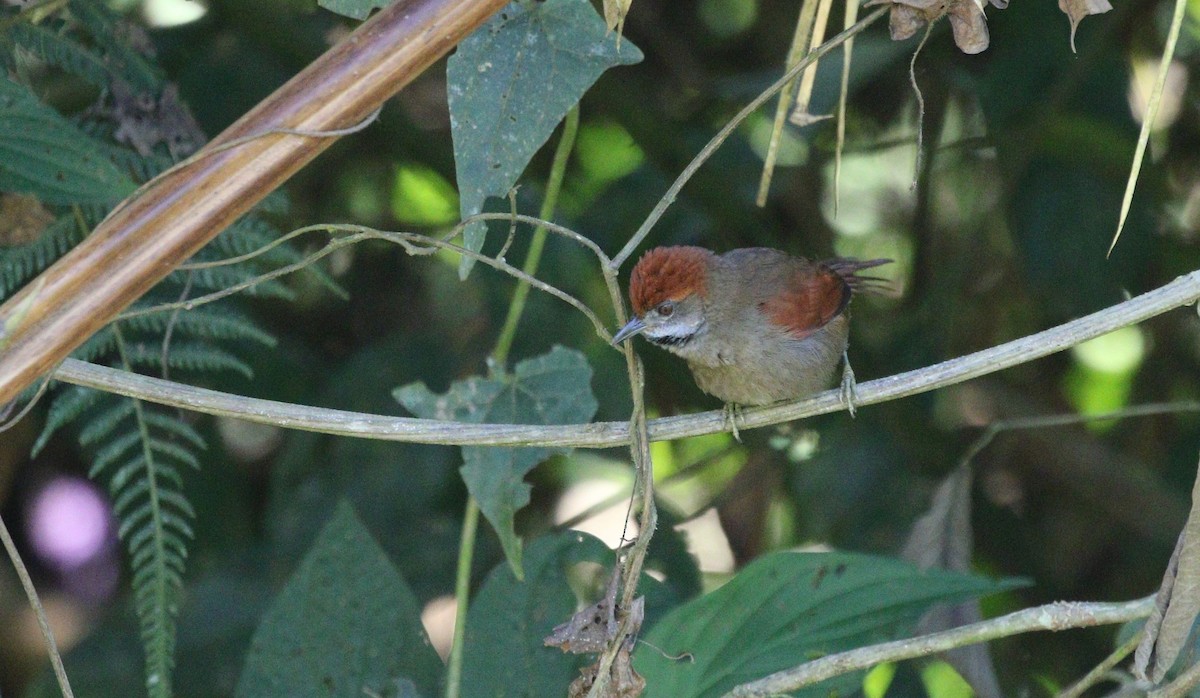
x: 733, y: 412
x: 849, y: 392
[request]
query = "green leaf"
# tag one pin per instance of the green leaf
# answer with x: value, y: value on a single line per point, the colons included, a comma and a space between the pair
x: 45, y: 155
x: 510, y: 83
x: 551, y: 389
x: 345, y: 622
x: 504, y: 654
x: 788, y: 607
x: 354, y: 9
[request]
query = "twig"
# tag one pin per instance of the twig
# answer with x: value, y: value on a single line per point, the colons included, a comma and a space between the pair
x: 462, y: 591
x: 1182, y: 291
x: 31, y: 593
x: 1181, y: 686
x: 1100, y: 670
x: 1061, y: 420
x: 669, y: 197
x: 912, y: 78
x: 1055, y: 616
x: 413, y: 243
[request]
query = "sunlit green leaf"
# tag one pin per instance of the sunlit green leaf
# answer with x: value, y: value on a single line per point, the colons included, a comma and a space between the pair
x: 420, y: 196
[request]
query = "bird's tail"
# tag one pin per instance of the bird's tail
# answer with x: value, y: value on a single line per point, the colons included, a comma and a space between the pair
x: 848, y: 269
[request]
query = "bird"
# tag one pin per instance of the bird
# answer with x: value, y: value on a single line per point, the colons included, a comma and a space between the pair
x: 755, y: 325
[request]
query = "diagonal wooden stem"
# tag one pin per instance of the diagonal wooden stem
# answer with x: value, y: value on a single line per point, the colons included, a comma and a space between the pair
x: 163, y: 224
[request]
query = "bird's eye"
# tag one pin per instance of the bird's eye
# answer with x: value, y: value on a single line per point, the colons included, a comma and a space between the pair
x: 666, y: 308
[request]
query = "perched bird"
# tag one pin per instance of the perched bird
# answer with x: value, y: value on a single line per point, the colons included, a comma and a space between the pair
x: 755, y: 325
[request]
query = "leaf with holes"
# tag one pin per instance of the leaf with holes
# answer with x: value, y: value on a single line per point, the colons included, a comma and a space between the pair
x: 554, y: 388
x: 510, y: 83
x: 43, y: 154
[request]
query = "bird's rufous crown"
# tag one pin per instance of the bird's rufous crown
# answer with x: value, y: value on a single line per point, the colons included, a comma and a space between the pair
x: 667, y: 273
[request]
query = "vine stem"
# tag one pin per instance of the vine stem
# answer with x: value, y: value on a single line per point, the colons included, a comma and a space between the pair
x: 533, y: 258
x: 1061, y: 615
x: 498, y: 362
x: 31, y: 594
x: 462, y: 589
x: 669, y: 197
x: 1184, y: 290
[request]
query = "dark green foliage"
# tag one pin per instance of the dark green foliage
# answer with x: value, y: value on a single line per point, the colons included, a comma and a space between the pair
x: 43, y: 154
x: 785, y: 607
x: 79, y: 167
x: 346, y: 622
x: 554, y: 49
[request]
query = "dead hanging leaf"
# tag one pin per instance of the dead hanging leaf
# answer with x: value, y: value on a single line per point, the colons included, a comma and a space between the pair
x: 623, y: 681
x: 145, y: 121
x: 1177, y: 603
x: 942, y: 539
x: 22, y: 219
x: 1076, y: 10
x: 614, y: 14
x: 593, y: 628
x: 967, y: 19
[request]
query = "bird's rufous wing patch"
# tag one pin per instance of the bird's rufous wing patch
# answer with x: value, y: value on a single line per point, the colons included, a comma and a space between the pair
x: 812, y: 298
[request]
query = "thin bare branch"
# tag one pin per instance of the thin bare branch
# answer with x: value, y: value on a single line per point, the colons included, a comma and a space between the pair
x: 1182, y: 291
x: 1055, y: 616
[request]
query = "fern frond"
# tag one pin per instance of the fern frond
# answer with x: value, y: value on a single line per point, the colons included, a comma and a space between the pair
x: 101, y: 426
x: 216, y: 322
x: 188, y: 356
x: 101, y: 344
x: 140, y: 448
x: 68, y: 404
x: 21, y: 263
x: 56, y: 48
x: 223, y: 277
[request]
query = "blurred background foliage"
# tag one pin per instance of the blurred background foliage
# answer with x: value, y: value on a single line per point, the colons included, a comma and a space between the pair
x: 1003, y: 234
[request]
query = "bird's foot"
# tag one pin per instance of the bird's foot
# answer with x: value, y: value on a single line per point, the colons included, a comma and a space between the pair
x: 849, y: 392
x: 733, y: 412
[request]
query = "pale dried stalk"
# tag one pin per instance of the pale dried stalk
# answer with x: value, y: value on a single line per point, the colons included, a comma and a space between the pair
x: 1062, y: 615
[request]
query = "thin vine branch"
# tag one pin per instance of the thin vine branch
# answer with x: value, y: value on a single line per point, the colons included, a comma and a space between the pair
x: 669, y: 197
x: 413, y: 243
x: 1098, y: 672
x: 1061, y: 615
x: 1184, y: 290
x: 60, y: 674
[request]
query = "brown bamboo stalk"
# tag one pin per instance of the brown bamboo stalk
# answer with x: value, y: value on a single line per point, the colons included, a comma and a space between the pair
x: 166, y: 223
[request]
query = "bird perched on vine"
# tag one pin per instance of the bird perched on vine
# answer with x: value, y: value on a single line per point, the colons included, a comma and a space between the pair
x: 755, y: 325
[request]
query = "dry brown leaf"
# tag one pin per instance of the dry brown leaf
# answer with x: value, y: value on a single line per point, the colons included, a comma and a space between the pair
x: 1076, y: 10
x: 614, y: 14
x: 1177, y: 603
x: 623, y: 682
x: 967, y: 19
x: 22, y: 219
x: 592, y: 628
x: 942, y: 539
x: 144, y: 121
